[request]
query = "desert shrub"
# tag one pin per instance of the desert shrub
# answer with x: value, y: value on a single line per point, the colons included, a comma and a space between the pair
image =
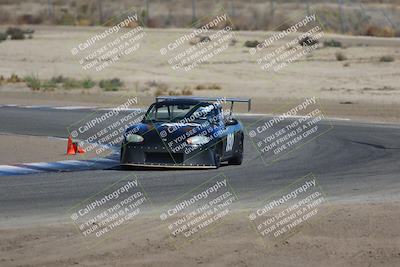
x: 71, y: 83
x: 88, y: 83
x: 252, y: 43
x: 174, y: 93
x: 12, y: 30
x: 201, y: 87
x: 33, y: 82
x: 386, y: 58
x: 380, y: 32
x: 111, y: 84
x: 2, y: 79
x: 187, y: 91
x: 48, y: 85
x: 152, y: 83
x: 3, y: 36
x: 160, y: 88
x: 340, y: 56
x: 347, y: 64
x: 14, y: 78
x: 332, y: 43
x: 66, y: 19
x: 160, y: 91
x: 58, y: 79
x: 214, y: 86
x: 208, y: 87
x: 16, y: 33
x: 18, y: 36
x: 84, y: 22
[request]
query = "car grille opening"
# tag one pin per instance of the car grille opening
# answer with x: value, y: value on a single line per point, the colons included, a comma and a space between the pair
x: 164, y: 158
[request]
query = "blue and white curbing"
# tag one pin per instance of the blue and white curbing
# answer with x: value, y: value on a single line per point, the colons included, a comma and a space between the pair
x: 59, y: 166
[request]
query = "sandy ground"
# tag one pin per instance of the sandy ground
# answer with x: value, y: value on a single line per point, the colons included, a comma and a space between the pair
x: 350, y: 234
x: 366, y: 88
x: 26, y: 149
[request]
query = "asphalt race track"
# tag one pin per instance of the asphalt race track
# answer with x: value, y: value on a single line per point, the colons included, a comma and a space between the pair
x: 352, y: 161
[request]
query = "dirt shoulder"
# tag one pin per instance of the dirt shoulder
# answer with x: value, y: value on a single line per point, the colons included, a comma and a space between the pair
x: 25, y: 149
x: 361, y: 87
x: 349, y: 235
x: 371, y: 110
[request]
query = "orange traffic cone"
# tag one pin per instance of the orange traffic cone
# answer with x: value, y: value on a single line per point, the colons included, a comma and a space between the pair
x: 75, y: 145
x: 70, y: 147
x: 79, y: 149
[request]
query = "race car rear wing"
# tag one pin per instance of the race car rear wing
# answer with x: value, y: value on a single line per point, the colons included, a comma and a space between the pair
x: 199, y: 98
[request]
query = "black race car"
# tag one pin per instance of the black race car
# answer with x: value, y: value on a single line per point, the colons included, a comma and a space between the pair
x: 185, y: 132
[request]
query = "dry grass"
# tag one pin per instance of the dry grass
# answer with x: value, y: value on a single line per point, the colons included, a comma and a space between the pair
x: 176, y: 92
x: 14, y: 78
x: 187, y: 91
x: 160, y: 88
x: 386, y: 59
x: 332, y: 43
x: 61, y: 82
x: 378, y: 31
x: 367, y: 19
x: 201, y: 87
x: 251, y: 43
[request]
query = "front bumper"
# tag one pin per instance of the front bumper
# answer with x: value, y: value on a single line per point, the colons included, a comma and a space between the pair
x: 159, y: 156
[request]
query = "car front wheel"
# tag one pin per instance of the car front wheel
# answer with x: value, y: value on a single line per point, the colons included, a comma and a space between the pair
x: 237, y: 159
x: 217, y: 156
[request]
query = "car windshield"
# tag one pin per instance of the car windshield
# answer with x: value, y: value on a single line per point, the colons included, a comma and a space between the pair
x: 181, y: 112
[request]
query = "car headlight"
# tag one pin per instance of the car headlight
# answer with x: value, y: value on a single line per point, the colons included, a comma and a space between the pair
x: 198, y: 140
x: 134, y: 138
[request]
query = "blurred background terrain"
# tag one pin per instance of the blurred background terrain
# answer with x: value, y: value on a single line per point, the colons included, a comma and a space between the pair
x: 355, y: 72
x: 353, y: 17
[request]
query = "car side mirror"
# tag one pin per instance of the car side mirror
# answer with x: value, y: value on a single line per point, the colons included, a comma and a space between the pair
x: 231, y: 122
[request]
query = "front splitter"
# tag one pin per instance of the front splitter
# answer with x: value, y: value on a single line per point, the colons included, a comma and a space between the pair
x: 169, y: 166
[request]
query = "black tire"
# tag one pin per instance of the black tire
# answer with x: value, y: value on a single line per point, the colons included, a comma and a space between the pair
x: 237, y: 159
x: 217, y: 156
x: 120, y: 153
